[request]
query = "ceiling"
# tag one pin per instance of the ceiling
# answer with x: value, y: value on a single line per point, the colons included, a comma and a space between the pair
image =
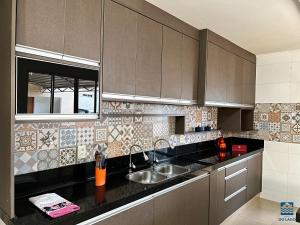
x: 260, y: 26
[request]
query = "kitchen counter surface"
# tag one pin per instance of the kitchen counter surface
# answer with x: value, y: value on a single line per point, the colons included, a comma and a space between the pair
x: 118, y: 191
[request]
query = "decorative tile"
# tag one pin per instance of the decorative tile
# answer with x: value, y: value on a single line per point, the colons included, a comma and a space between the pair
x: 157, y: 129
x: 127, y: 132
x: 48, y: 159
x: 296, y: 128
x: 100, y: 134
x: 285, y: 137
x: 114, y: 120
x: 296, y: 138
x: 127, y: 119
x: 114, y: 149
x: 68, y: 137
x: 148, y: 143
x: 274, y: 117
x: 25, y: 140
x: 274, y: 136
x: 48, y: 125
x: 147, y: 131
x: 275, y: 107
x: 68, y: 156
x: 286, y: 117
x: 138, y: 118
x: 85, y: 135
x: 285, y: 127
x: 47, y: 138
x: 296, y: 117
x: 25, y: 162
x: 288, y: 108
x: 274, y: 127
x: 114, y: 133
x: 138, y: 130
x: 174, y: 140
x: 26, y: 126
x: 264, y: 117
x: 264, y: 126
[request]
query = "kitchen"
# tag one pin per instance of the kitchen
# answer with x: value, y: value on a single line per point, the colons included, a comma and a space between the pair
x: 149, y: 112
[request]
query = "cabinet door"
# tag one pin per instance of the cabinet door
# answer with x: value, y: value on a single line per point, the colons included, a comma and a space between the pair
x: 139, y: 215
x: 168, y: 208
x: 254, y: 176
x: 120, y: 49
x: 216, y: 82
x: 234, y: 73
x: 82, y: 28
x: 190, y: 68
x: 186, y: 205
x: 249, y: 76
x: 171, y: 64
x: 196, y: 206
x: 40, y: 24
x: 148, y: 64
x: 217, y: 195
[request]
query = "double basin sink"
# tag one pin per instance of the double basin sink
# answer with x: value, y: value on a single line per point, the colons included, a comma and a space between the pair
x: 157, y: 174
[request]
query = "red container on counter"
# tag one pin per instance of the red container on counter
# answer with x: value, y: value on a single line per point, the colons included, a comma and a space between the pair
x: 239, y: 150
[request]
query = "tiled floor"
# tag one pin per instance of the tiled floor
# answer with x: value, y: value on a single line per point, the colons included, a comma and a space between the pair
x: 257, y: 212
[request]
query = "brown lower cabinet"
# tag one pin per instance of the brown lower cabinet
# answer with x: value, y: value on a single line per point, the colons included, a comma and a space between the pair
x: 208, y: 200
x: 188, y: 205
x: 185, y: 205
x: 232, y: 186
x: 139, y: 215
x: 254, y: 176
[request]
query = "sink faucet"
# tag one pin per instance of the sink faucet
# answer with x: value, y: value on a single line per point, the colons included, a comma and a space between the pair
x: 154, y: 151
x: 131, y: 165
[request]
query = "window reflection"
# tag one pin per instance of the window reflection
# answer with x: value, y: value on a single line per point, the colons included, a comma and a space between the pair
x: 61, y: 89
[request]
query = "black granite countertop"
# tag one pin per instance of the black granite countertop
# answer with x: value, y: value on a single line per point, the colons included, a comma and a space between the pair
x: 69, y: 183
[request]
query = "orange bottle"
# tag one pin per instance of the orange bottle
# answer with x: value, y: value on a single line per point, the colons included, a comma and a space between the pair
x: 100, y: 171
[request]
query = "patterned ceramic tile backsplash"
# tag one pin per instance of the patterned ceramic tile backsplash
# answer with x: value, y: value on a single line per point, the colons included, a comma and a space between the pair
x: 278, y: 122
x: 41, y: 146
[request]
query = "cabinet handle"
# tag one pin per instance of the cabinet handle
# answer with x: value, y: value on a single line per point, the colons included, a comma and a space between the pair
x: 236, y: 174
x: 235, y: 194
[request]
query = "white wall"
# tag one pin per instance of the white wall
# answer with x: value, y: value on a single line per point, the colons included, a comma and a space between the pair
x: 278, y: 81
x: 281, y: 172
x: 278, y: 77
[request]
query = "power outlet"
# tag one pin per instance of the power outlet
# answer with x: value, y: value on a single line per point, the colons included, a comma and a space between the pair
x: 81, y: 152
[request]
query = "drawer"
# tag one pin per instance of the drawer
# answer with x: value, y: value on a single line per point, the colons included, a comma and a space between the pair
x: 235, y: 182
x: 235, y: 167
x: 235, y: 202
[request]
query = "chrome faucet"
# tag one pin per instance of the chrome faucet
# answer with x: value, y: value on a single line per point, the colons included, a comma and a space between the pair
x: 131, y: 165
x: 154, y: 151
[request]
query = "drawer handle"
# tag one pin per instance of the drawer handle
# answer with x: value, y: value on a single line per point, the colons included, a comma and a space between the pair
x: 235, y: 194
x: 236, y: 174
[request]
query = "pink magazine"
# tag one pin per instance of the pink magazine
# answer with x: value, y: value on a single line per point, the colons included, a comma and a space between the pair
x: 54, y: 205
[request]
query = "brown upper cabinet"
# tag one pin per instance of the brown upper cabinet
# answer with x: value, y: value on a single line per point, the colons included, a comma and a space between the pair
x: 190, y: 68
x: 70, y: 27
x: 82, y: 28
x: 171, y: 64
x: 40, y: 24
x: 148, y: 59
x: 143, y: 57
x: 119, y: 49
x: 227, y: 72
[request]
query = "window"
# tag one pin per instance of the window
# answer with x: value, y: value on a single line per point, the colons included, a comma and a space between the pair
x: 48, y: 88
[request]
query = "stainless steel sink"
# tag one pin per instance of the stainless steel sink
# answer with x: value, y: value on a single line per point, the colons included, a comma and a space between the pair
x: 146, y: 177
x: 171, y: 170
x: 159, y: 174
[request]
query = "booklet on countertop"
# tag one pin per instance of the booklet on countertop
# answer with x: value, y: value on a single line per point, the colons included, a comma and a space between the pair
x: 54, y: 205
